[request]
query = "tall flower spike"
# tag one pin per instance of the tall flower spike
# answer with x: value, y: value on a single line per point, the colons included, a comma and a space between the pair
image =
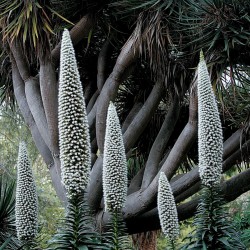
x: 74, y: 138
x: 210, y: 141
x: 26, y: 198
x: 167, y: 209
x: 114, y: 164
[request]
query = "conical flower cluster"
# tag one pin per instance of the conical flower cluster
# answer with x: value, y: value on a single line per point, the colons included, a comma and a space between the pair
x: 26, y: 198
x: 167, y: 209
x: 74, y: 138
x: 210, y: 140
x: 114, y: 164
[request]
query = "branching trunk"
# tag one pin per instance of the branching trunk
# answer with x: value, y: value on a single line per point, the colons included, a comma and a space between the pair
x: 102, y: 65
x: 131, y: 135
x: 37, y: 97
x: 32, y: 90
x: 160, y: 143
x: 33, y: 95
x: 133, y: 112
x: 143, y: 117
x: 49, y: 93
x: 189, y: 183
x: 149, y: 221
x: 19, y: 90
x: 127, y: 56
x: 145, y: 198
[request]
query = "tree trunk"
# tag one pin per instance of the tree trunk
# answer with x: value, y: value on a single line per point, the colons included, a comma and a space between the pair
x: 145, y: 241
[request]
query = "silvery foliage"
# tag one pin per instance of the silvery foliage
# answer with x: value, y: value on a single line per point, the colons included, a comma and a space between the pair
x: 210, y: 140
x: 26, y: 208
x: 74, y: 138
x: 114, y: 164
x: 167, y: 209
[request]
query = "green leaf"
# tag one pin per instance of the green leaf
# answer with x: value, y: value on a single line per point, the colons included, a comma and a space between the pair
x: 83, y: 247
x: 5, y: 244
x: 204, y: 247
x: 224, y: 241
x: 60, y: 16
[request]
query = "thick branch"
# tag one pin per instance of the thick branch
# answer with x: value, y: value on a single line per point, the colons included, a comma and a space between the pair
x: 232, y: 143
x: 189, y: 183
x: 91, y: 104
x: 236, y: 156
x: 134, y: 131
x: 102, y: 64
x: 148, y: 221
x: 20, y: 60
x: 19, y: 91
x: 185, y: 182
x: 160, y: 143
x: 145, y: 198
x: 136, y: 182
x: 101, y: 67
x: 184, y: 141
x: 126, y: 58
x: 33, y: 95
x: 141, y: 120
x: 95, y: 185
x: 49, y: 92
x: 32, y: 90
x: 130, y: 117
x: 77, y: 33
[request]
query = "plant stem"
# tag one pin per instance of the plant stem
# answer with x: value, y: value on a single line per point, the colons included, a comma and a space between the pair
x: 172, y: 244
x: 115, y: 225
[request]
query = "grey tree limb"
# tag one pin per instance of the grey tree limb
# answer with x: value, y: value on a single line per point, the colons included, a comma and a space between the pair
x: 160, y: 143
x: 19, y: 90
x: 77, y: 33
x: 126, y: 58
x: 49, y: 93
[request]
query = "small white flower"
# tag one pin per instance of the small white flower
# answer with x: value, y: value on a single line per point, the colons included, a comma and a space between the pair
x: 210, y: 140
x: 114, y: 164
x: 74, y: 138
x: 26, y: 208
x: 167, y: 209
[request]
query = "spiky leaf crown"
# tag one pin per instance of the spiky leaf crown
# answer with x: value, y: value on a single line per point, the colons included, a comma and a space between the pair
x: 167, y: 209
x: 26, y: 198
x: 210, y: 140
x: 74, y: 138
x: 114, y: 164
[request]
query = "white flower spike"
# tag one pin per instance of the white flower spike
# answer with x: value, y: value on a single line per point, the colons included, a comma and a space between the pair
x: 114, y: 164
x: 26, y: 208
x: 74, y: 138
x: 210, y: 140
x: 167, y: 209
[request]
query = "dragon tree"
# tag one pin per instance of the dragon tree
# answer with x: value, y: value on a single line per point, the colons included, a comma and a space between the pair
x: 143, y: 57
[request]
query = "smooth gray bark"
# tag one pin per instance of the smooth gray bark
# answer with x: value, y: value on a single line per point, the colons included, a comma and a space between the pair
x: 49, y: 93
x: 126, y: 58
x: 160, y: 143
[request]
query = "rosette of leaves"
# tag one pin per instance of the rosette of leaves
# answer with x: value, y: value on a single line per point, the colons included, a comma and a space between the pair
x: 167, y: 210
x: 210, y: 139
x: 26, y: 208
x: 213, y: 230
x: 8, y: 238
x: 77, y: 231
x: 74, y: 138
x: 114, y: 164
x: 116, y: 237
